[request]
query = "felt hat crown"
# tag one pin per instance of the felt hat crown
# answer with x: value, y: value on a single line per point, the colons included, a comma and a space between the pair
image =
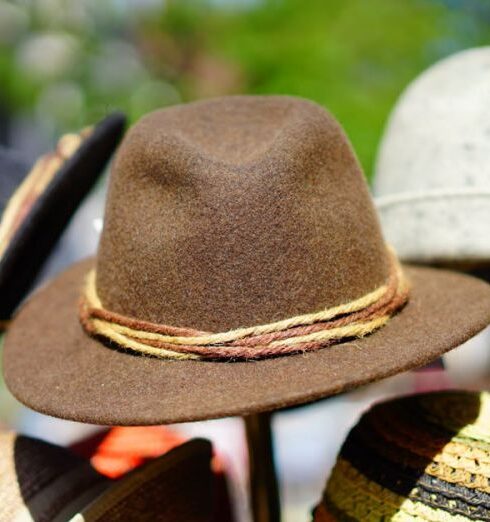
x: 421, y: 458
x: 242, y: 251
x: 226, y: 214
x: 41, y: 481
x: 36, y: 202
x: 432, y: 178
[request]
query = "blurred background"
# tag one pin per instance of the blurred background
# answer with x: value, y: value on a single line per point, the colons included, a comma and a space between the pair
x: 66, y: 63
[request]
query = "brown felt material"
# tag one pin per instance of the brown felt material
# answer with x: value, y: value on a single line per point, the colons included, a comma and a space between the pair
x: 52, y: 366
x: 237, y: 211
x: 227, y: 213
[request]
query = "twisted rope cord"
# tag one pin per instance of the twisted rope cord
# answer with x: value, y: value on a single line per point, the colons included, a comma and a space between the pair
x: 302, y: 333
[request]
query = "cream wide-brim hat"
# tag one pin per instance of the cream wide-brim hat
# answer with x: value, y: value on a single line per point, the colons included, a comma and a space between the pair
x: 432, y: 173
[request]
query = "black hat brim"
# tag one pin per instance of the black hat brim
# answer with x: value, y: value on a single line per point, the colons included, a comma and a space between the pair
x: 39, y: 231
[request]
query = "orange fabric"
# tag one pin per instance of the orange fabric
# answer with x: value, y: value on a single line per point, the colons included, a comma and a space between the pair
x: 122, y: 449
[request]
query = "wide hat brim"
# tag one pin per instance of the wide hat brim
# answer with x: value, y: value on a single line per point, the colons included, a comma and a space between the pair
x: 53, y: 366
x: 40, y: 230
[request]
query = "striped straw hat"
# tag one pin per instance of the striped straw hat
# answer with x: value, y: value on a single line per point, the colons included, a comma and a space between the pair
x: 421, y: 458
x: 43, y: 482
x: 37, y: 202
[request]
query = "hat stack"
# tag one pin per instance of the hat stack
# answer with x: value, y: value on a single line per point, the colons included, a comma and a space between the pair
x: 432, y: 178
x: 43, y: 482
x: 420, y: 458
x: 115, y: 451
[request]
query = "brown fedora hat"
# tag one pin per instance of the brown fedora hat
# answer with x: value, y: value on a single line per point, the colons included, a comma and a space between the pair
x: 241, y: 269
x: 40, y: 482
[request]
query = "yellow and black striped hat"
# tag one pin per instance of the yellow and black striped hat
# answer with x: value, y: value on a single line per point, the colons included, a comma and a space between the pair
x: 414, y: 459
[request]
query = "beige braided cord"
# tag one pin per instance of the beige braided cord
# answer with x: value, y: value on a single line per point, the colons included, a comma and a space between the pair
x: 302, y: 333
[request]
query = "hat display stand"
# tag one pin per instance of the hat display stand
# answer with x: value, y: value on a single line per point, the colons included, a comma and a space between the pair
x: 264, y: 489
x: 241, y: 270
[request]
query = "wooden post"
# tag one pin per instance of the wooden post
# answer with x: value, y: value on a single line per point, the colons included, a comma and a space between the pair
x: 264, y: 493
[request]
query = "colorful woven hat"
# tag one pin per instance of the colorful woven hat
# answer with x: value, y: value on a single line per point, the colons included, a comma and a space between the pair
x: 241, y: 268
x: 432, y: 178
x: 420, y: 458
x: 43, y: 482
x: 36, y: 203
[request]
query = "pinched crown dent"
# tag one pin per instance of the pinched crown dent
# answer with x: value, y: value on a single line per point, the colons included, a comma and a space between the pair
x: 237, y: 211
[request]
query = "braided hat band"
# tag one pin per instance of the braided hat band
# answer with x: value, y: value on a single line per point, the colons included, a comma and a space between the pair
x: 424, y: 458
x: 297, y: 334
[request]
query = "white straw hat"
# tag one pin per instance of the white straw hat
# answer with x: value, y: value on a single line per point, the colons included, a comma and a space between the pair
x: 432, y: 178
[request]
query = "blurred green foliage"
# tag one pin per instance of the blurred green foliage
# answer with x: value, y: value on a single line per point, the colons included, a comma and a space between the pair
x: 69, y: 61
x: 352, y: 56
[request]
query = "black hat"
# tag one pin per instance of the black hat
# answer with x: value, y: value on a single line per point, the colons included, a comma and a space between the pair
x: 37, y: 202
